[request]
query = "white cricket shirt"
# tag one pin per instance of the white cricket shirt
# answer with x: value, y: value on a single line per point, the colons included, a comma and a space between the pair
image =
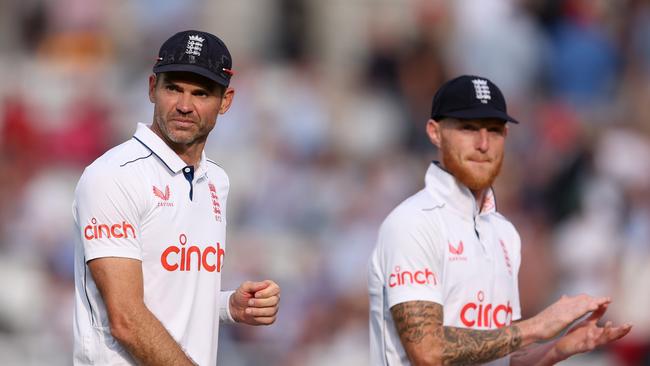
x: 436, y: 246
x: 140, y: 200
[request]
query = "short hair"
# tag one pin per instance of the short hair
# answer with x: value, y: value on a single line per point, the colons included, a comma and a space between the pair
x: 210, y: 84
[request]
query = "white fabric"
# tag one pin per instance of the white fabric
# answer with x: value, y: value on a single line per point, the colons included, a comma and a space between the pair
x: 436, y: 246
x: 134, y: 202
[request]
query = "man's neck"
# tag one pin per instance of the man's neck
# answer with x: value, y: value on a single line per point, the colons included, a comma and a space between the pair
x: 190, y: 154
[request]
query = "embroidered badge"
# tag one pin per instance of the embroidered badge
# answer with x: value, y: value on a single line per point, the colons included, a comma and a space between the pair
x: 194, y: 45
x: 482, y: 90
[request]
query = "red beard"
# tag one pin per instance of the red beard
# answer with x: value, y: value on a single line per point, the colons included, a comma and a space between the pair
x: 474, y: 179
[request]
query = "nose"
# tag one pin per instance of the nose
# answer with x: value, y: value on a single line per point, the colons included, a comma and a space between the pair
x: 482, y: 141
x: 184, y: 103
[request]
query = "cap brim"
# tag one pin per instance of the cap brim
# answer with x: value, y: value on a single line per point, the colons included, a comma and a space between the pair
x: 195, y: 69
x: 480, y: 113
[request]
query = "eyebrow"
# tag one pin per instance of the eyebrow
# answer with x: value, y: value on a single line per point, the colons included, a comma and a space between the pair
x: 199, y: 88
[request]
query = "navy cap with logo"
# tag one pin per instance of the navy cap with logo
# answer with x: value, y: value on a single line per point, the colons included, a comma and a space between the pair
x: 470, y: 97
x: 197, y: 52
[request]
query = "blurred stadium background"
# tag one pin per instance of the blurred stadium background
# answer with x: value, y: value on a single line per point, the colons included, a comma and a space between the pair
x: 326, y: 135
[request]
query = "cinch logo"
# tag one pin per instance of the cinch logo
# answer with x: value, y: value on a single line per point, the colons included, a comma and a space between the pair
x: 94, y: 231
x: 457, y: 252
x: 479, y: 315
x: 420, y: 277
x: 176, y: 258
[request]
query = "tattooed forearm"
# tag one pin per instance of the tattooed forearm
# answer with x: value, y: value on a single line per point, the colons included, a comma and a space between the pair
x: 419, y: 324
x: 416, y: 320
x: 468, y: 346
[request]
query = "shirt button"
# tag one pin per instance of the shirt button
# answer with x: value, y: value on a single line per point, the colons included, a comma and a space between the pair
x: 187, y: 170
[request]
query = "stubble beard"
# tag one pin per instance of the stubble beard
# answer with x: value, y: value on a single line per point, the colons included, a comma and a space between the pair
x: 173, y: 136
x: 472, y: 179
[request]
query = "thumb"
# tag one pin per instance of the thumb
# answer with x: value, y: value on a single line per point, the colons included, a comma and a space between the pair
x: 252, y: 287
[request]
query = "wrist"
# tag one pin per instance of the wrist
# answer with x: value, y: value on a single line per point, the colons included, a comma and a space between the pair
x: 529, y: 331
x: 232, y: 309
x: 553, y: 356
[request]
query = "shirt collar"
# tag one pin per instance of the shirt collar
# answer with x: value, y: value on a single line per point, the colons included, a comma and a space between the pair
x: 174, y: 163
x: 445, y: 188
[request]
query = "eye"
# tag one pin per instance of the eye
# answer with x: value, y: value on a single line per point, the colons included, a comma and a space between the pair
x: 496, y: 129
x: 468, y: 127
x: 171, y: 87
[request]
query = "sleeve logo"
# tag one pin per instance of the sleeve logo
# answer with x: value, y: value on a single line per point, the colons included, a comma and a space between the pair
x: 406, y: 277
x: 98, y: 231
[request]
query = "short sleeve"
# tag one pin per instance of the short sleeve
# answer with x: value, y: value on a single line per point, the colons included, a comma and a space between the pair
x: 106, y: 214
x: 411, y: 263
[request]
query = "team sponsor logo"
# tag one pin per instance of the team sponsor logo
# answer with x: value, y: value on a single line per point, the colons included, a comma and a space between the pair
x: 457, y: 251
x: 216, y: 207
x: 98, y: 231
x: 506, y: 257
x: 186, y: 258
x: 164, y: 196
x: 485, y: 315
x: 406, y: 277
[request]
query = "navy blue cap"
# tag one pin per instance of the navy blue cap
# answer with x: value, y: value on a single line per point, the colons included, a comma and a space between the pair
x: 197, y: 52
x: 470, y: 97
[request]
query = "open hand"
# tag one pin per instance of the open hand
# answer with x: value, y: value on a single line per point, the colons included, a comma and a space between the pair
x: 555, y: 318
x: 588, y: 335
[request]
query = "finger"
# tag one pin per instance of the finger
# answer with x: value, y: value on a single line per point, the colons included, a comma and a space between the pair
x: 262, y: 312
x: 614, y: 333
x: 596, y: 315
x: 253, y: 287
x: 265, y: 320
x: 265, y: 302
x: 597, y: 302
x: 271, y: 289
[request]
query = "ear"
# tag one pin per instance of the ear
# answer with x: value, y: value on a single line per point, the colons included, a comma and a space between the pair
x: 434, y: 131
x: 226, y: 101
x: 152, y: 88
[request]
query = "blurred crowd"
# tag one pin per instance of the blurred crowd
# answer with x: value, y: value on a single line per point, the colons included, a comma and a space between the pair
x: 325, y: 137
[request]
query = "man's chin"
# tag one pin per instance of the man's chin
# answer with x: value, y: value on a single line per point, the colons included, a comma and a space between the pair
x: 181, y: 138
x: 477, y: 184
x: 475, y: 179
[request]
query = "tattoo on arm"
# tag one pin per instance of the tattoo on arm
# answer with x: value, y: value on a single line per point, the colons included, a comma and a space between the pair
x: 419, y: 325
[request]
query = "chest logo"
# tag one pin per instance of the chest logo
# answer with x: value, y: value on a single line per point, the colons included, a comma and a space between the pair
x: 216, y: 206
x: 186, y: 258
x: 484, y: 314
x: 506, y: 257
x: 457, y: 252
x: 164, y: 196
